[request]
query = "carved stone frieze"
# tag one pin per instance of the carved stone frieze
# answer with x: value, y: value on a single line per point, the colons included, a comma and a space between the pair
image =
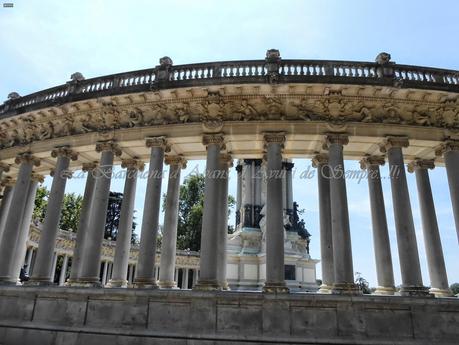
x: 212, y: 109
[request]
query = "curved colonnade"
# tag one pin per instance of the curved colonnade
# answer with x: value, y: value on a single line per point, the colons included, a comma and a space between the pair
x: 272, y: 109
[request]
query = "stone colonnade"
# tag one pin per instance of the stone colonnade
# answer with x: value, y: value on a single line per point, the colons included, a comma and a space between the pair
x: 337, y: 263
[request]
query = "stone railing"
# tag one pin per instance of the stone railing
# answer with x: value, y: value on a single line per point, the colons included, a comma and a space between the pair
x: 271, y: 70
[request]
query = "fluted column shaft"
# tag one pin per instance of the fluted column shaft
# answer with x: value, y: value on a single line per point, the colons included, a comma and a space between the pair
x: 169, y: 241
x: 14, y: 218
x: 123, y: 238
x: 381, y: 241
x: 239, y: 193
x: 83, y: 223
x: 42, y: 270
x: 147, y: 255
x: 222, y: 224
x: 434, y: 251
x: 326, y: 239
x: 208, y: 279
x: 90, y: 265
x: 21, y: 245
x: 341, y: 235
x: 275, y: 271
x: 5, y: 205
x: 451, y: 156
x: 63, y: 273
x: 404, y: 225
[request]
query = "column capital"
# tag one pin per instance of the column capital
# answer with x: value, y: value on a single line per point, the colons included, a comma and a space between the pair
x: 35, y: 177
x: 217, y: 138
x: 336, y: 138
x: 421, y: 164
x: 393, y: 141
x: 132, y: 163
x: 64, y: 173
x: 7, y: 181
x: 227, y: 159
x: 28, y: 158
x: 368, y: 161
x: 64, y: 151
x: 176, y: 160
x: 4, y: 167
x: 89, y: 166
x: 446, y: 146
x: 274, y: 138
x: 319, y: 159
x: 160, y: 141
x: 109, y: 145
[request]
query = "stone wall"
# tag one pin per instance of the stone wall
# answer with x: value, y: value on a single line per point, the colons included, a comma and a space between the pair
x: 70, y: 316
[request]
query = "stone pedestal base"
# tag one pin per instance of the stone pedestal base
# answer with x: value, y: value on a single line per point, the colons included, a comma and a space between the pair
x: 7, y: 282
x: 384, y: 290
x: 420, y: 291
x: 117, y: 284
x: 349, y: 289
x: 207, y: 285
x: 39, y: 282
x: 275, y: 288
x: 167, y: 284
x: 83, y: 283
x: 145, y: 284
x: 441, y: 292
x: 325, y: 289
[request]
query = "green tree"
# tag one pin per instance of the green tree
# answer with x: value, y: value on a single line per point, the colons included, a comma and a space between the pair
x: 362, y: 283
x: 455, y: 288
x: 191, y: 202
x: 70, y: 214
x: 41, y: 202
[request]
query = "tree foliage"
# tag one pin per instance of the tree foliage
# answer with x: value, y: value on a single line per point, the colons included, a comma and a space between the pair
x: 191, y: 202
x: 455, y: 288
x: 41, y: 202
x: 362, y: 283
x: 70, y: 214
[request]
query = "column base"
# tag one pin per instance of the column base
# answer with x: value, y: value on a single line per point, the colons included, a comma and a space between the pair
x: 384, y: 290
x: 6, y: 281
x: 148, y: 283
x: 275, y: 288
x: 113, y: 283
x: 39, y: 282
x: 417, y: 291
x: 441, y: 292
x: 207, y: 285
x: 167, y: 284
x: 325, y: 289
x: 349, y: 289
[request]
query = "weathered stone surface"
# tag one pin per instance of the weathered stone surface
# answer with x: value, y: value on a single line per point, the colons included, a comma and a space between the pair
x: 72, y: 316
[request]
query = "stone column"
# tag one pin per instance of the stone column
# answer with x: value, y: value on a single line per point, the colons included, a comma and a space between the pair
x: 320, y: 162
x: 195, y: 278
x: 169, y: 241
x: 226, y: 161
x: 83, y: 222
x: 275, y: 271
x: 434, y: 251
x: 63, y: 270
x: 90, y: 265
x: 147, y: 254
x: 41, y: 273
x: 14, y: 219
x: 381, y: 241
x: 404, y: 226
x: 341, y: 235
x: 21, y: 245
x: 104, y: 272
x: 53, y: 266
x: 450, y: 150
x: 29, y: 259
x: 247, y: 195
x: 123, y: 239
x: 209, y: 235
x: 239, y: 193
x: 8, y: 188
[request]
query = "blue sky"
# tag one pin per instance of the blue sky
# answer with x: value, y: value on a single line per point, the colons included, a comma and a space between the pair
x: 43, y: 42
